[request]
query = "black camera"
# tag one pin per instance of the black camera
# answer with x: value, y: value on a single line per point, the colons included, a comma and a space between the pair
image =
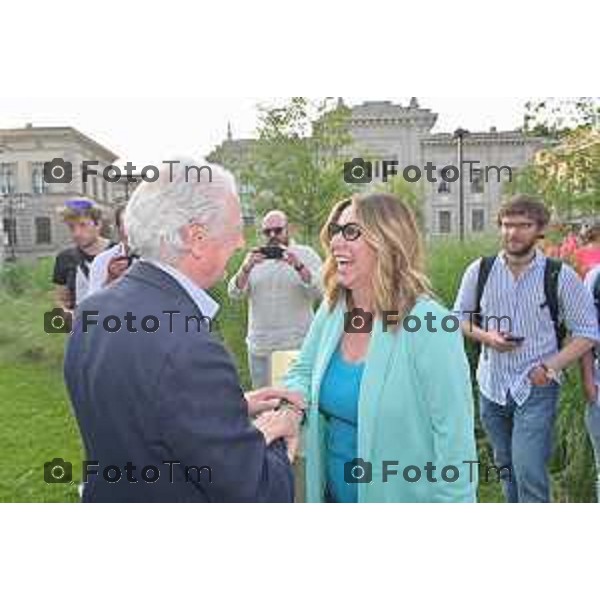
x: 358, y: 321
x: 58, y: 171
x: 58, y: 471
x: 272, y: 252
x: 358, y: 471
x: 58, y: 321
x: 358, y: 171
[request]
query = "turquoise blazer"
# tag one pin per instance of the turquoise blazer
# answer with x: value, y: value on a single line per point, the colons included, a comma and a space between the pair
x: 416, y: 407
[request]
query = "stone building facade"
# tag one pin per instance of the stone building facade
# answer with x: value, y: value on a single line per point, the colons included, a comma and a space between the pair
x: 383, y: 131
x: 31, y: 226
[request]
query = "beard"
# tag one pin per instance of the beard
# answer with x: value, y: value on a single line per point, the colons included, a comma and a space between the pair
x: 523, y: 252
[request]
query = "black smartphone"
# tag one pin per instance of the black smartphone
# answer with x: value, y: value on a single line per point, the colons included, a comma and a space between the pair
x: 272, y: 252
x: 131, y: 258
x: 515, y: 339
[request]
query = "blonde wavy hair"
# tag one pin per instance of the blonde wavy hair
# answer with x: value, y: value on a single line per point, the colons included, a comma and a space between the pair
x: 390, y: 228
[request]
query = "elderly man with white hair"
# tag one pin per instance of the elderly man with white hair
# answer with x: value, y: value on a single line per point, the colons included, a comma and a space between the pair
x: 282, y: 281
x: 156, y: 395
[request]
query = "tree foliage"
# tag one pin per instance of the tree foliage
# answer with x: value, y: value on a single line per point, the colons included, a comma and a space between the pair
x: 560, y: 116
x: 411, y: 193
x: 297, y: 163
x: 566, y: 174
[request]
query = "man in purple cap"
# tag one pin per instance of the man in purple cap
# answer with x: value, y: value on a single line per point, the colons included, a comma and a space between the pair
x: 72, y: 266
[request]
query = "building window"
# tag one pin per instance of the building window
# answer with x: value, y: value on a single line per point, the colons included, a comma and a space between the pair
x: 7, y: 178
x: 10, y: 231
x: 445, y: 221
x: 38, y: 185
x: 43, y: 230
x: 444, y: 188
x: 477, y: 186
x: 478, y: 220
x: 84, y: 188
x: 95, y: 188
x: 104, y: 190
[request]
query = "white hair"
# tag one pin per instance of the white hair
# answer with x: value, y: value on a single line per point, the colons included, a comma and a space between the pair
x: 189, y: 191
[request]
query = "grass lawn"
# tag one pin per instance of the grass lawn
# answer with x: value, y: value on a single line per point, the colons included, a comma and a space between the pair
x: 36, y: 426
x: 36, y: 421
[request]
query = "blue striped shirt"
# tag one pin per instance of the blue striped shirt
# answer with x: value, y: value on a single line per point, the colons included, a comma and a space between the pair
x: 521, y: 303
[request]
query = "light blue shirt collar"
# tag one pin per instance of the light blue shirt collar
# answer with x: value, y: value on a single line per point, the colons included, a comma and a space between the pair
x: 207, y: 306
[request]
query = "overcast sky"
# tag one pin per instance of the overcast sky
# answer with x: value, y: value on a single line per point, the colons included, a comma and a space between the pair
x: 150, y: 130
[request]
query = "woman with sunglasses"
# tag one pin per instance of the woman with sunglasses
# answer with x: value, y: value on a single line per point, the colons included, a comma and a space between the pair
x: 383, y: 370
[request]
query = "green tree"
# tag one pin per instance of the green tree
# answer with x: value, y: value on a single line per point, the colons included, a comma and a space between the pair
x: 567, y: 174
x: 296, y: 165
x: 560, y: 116
x: 411, y: 193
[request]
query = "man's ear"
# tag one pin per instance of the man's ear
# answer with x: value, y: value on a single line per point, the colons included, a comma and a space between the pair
x: 195, y: 236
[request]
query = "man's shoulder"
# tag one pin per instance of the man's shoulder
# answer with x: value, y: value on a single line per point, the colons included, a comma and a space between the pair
x: 68, y: 254
x: 163, y: 321
x: 594, y: 273
x: 593, y: 277
x: 568, y: 275
x: 474, y: 267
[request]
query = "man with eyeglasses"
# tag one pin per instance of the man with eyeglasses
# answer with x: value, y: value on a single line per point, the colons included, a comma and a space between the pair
x: 519, y: 306
x: 72, y: 266
x: 282, y: 281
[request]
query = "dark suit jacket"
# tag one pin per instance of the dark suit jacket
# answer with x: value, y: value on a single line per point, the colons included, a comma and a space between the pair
x: 167, y: 397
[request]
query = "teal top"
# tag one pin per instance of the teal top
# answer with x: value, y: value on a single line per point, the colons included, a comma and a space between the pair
x: 416, y: 406
x: 340, y: 393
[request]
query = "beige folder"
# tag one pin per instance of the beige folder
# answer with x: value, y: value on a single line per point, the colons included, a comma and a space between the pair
x: 281, y: 363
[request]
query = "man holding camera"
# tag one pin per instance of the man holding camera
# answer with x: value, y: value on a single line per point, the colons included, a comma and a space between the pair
x: 282, y: 281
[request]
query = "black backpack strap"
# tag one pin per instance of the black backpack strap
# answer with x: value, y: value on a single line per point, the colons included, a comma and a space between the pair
x: 485, y: 269
x: 551, y: 279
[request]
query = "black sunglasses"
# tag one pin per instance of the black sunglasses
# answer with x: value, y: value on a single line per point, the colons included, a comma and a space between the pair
x: 350, y: 231
x: 273, y: 231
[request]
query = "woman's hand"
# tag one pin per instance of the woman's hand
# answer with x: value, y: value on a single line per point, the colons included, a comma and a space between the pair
x: 268, y: 399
